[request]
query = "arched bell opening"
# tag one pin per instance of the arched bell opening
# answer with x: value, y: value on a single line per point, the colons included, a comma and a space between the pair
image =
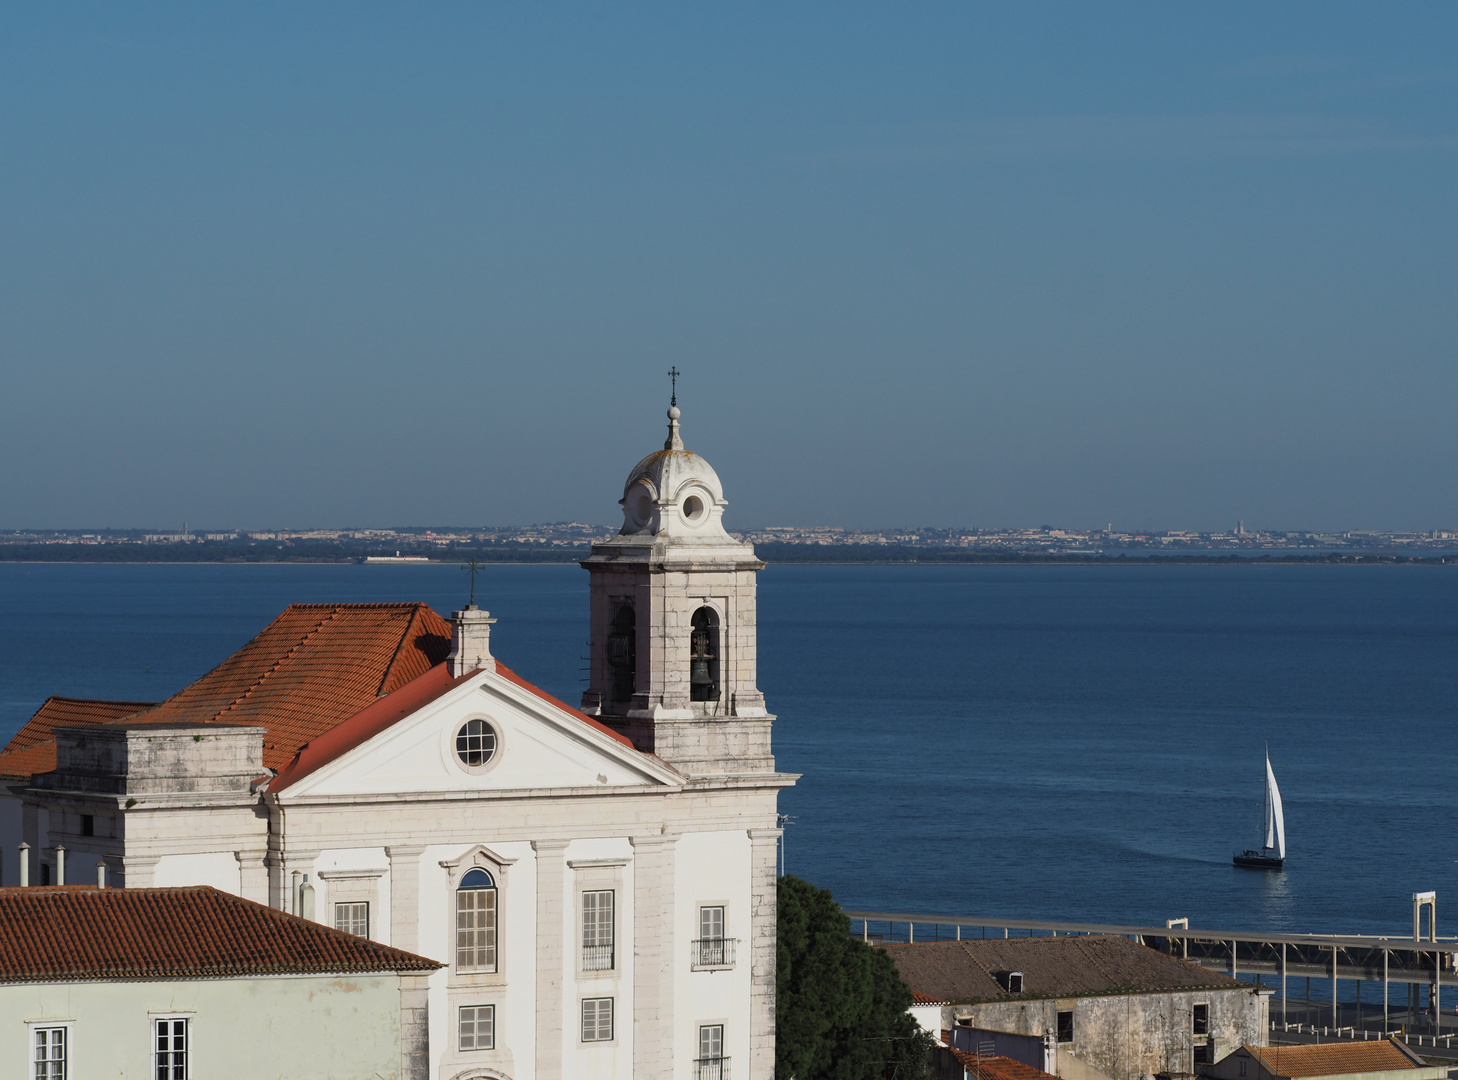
x: 622, y: 653
x: 704, y: 649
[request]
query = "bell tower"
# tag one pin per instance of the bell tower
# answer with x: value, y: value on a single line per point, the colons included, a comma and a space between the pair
x: 673, y: 638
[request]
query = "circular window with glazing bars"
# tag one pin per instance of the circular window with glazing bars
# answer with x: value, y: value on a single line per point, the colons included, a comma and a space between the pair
x: 476, y: 744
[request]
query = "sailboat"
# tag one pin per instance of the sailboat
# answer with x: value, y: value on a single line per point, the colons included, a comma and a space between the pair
x: 1272, y: 855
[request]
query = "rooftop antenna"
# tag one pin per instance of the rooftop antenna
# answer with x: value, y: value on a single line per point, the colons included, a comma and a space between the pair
x: 473, y: 568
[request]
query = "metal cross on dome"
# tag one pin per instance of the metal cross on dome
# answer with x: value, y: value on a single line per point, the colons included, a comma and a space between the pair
x: 473, y: 568
x: 674, y: 373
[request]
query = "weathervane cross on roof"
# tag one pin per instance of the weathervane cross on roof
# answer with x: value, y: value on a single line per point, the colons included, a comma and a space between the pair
x: 673, y: 373
x: 473, y: 568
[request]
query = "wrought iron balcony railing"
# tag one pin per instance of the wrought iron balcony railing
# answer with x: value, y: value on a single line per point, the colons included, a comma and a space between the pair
x: 713, y: 952
x: 711, y: 1068
x: 597, y: 958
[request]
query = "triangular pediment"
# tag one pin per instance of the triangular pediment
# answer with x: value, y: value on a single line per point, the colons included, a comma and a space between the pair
x: 490, y: 732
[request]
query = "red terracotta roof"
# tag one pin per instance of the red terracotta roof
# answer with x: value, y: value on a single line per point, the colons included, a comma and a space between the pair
x: 78, y: 932
x: 365, y: 725
x: 321, y: 678
x: 33, y: 749
x: 996, y: 1067
x: 1333, y: 1059
x: 312, y: 667
x: 511, y: 676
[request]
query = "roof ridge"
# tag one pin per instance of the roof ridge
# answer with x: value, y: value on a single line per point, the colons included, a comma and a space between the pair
x: 333, y: 610
x: 394, y: 656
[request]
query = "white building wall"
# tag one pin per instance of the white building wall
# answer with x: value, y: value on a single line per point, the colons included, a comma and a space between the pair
x: 216, y: 868
x: 322, y: 1027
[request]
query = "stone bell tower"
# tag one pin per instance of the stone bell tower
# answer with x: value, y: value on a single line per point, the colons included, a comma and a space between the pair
x: 673, y: 621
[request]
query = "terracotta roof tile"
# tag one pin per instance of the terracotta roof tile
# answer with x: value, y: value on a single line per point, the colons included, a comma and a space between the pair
x: 962, y: 971
x: 33, y: 748
x: 309, y: 671
x: 996, y: 1067
x: 1331, y: 1059
x: 81, y: 932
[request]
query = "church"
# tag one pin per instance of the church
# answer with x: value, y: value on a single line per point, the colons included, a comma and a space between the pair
x: 598, y: 882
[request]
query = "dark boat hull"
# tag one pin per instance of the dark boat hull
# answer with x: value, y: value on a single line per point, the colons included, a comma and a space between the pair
x: 1259, y: 860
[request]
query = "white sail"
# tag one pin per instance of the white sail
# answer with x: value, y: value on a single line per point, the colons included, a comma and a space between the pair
x: 1275, y: 819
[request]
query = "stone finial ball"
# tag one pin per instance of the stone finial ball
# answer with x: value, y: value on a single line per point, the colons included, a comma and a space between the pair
x: 673, y: 413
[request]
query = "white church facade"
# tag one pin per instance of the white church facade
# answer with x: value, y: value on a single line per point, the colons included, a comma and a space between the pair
x: 598, y: 882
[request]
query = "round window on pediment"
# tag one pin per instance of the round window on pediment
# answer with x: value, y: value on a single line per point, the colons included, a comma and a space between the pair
x: 476, y: 744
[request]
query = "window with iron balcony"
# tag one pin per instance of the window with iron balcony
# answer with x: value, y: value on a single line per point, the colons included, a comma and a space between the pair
x: 597, y: 930
x: 711, y: 1064
x: 712, y: 949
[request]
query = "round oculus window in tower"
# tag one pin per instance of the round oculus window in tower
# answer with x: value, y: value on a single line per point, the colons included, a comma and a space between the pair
x: 693, y: 509
x: 475, y: 743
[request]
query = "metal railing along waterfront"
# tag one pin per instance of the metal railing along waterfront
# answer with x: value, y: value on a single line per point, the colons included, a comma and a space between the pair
x: 1328, y: 957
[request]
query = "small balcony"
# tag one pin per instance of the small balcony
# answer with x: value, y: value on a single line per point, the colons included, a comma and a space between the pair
x: 597, y: 958
x: 711, y: 1068
x: 713, y: 952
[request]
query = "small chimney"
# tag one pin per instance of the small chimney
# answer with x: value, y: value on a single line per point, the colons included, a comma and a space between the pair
x: 470, y: 641
x: 60, y: 865
x: 24, y: 864
x: 101, y: 874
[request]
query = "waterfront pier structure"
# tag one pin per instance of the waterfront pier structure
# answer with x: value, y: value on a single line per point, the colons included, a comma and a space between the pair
x: 1413, y: 962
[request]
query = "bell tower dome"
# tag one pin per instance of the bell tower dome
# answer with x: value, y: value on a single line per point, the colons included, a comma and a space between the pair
x: 673, y: 647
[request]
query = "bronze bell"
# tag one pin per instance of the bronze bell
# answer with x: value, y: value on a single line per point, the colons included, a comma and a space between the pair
x: 699, y: 673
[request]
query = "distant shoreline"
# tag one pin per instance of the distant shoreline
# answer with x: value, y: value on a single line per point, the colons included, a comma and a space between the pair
x: 775, y: 554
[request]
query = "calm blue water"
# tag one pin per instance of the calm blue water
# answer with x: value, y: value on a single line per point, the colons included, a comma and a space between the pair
x: 1058, y: 742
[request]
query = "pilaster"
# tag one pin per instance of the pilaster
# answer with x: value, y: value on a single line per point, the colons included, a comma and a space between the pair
x: 655, y: 955
x: 551, y: 956
x: 138, y: 871
x: 253, y: 874
x: 414, y: 1027
x: 405, y: 895
x: 763, y: 949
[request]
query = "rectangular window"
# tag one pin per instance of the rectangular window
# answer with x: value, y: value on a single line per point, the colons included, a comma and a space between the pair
x: 1065, y: 1026
x: 597, y: 930
x: 88, y: 824
x: 1204, y: 1054
x: 353, y: 918
x: 171, y: 1056
x: 478, y: 1027
x: 712, y: 1064
x: 597, y: 1019
x: 713, y: 949
x: 50, y: 1053
x: 476, y: 929
x: 1200, y: 1021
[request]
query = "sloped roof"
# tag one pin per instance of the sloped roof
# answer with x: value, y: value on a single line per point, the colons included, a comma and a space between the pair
x: 1081, y: 966
x: 33, y: 748
x: 1333, y: 1059
x: 997, y: 1067
x: 312, y: 667
x: 74, y: 932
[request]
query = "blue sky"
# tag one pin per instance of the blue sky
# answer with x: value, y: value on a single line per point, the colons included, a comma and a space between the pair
x: 1163, y: 266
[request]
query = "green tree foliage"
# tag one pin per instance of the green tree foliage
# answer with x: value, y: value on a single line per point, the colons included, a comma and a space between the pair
x: 840, y: 1006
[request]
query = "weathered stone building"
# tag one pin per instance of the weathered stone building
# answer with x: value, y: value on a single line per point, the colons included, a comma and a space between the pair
x: 1112, y: 1008
x: 599, y: 884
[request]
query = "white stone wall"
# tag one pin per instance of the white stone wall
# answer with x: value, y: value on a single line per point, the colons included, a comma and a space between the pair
x: 324, y: 1027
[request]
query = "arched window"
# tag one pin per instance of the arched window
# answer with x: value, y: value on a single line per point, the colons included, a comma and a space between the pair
x: 476, y: 922
x: 704, y: 656
x: 622, y: 654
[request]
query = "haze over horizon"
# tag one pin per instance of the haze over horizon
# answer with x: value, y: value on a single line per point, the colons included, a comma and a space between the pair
x: 945, y: 266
